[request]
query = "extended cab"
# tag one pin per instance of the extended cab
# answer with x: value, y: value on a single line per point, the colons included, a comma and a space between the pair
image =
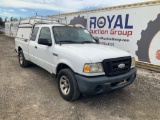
x: 80, y: 63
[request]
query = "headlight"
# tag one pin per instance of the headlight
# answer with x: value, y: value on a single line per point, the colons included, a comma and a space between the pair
x: 93, y: 68
x: 133, y: 62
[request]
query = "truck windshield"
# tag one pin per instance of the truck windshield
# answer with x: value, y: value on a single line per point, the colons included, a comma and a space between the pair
x: 71, y: 35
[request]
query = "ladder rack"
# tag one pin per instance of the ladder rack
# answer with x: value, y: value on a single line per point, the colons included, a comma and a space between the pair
x: 43, y: 20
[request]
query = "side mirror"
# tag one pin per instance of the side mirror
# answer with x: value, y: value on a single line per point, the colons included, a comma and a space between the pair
x: 44, y: 41
x: 96, y: 39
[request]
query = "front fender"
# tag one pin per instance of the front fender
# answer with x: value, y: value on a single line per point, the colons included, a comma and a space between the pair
x: 67, y: 62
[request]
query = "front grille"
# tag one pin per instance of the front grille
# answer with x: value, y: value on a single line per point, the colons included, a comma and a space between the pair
x: 111, y: 68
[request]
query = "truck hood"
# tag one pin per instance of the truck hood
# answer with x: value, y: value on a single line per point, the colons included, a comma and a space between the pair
x: 94, y: 52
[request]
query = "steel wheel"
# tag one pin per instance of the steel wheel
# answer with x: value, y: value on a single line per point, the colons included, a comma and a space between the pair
x: 64, y: 85
x: 21, y: 59
x: 67, y: 85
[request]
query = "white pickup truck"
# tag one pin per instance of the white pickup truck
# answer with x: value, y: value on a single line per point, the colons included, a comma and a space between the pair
x: 80, y: 63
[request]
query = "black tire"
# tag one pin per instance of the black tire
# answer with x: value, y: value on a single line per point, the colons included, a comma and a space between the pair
x: 73, y: 92
x: 22, y: 61
x: 146, y: 39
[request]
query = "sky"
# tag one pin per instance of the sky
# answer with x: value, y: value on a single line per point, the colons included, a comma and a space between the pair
x: 27, y: 8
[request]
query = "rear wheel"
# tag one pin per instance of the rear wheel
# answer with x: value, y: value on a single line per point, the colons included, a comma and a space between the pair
x: 67, y: 85
x: 22, y: 61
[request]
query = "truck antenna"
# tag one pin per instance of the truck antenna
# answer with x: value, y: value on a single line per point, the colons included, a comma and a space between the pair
x: 59, y: 16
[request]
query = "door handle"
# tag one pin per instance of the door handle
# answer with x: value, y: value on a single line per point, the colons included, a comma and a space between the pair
x: 36, y: 47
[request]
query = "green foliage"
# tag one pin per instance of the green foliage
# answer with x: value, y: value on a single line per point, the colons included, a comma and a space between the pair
x: 1, y: 22
x: 5, y: 19
x: 11, y: 19
x: 15, y: 19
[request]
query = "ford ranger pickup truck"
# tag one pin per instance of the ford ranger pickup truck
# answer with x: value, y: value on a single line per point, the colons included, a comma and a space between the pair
x: 80, y: 63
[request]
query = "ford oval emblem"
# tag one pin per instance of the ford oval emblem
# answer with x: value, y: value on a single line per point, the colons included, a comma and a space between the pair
x: 121, y: 65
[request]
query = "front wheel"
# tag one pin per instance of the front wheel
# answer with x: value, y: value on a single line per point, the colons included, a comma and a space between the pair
x: 67, y: 85
x: 22, y: 61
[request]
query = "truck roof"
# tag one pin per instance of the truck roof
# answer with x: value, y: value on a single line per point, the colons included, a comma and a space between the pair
x: 48, y: 25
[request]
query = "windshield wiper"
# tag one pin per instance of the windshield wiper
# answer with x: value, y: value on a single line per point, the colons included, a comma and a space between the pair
x: 87, y: 42
x: 71, y: 41
x: 67, y: 41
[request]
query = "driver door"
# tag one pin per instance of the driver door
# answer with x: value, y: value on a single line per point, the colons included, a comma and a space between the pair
x: 44, y: 53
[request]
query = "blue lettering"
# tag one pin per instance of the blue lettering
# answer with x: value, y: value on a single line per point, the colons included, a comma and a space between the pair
x: 118, y: 22
x: 110, y: 20
x: 92, y: 22
x: 126, y: 23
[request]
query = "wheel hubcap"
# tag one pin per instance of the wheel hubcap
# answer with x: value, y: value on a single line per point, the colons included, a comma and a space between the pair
x: 64, y: 85
x: 20, y: 59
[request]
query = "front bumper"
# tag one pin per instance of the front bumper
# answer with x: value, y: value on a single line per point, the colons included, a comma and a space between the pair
x: 102, y: 84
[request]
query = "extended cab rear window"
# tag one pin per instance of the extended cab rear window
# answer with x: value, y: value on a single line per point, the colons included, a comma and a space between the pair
x: 45, y: 33
x: 34, y: 33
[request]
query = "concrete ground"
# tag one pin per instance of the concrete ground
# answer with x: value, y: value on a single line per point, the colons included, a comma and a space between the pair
x: 31, y: 94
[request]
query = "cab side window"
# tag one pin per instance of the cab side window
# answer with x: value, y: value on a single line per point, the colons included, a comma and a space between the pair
x: 45, y: 33
x: 34, y: 34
